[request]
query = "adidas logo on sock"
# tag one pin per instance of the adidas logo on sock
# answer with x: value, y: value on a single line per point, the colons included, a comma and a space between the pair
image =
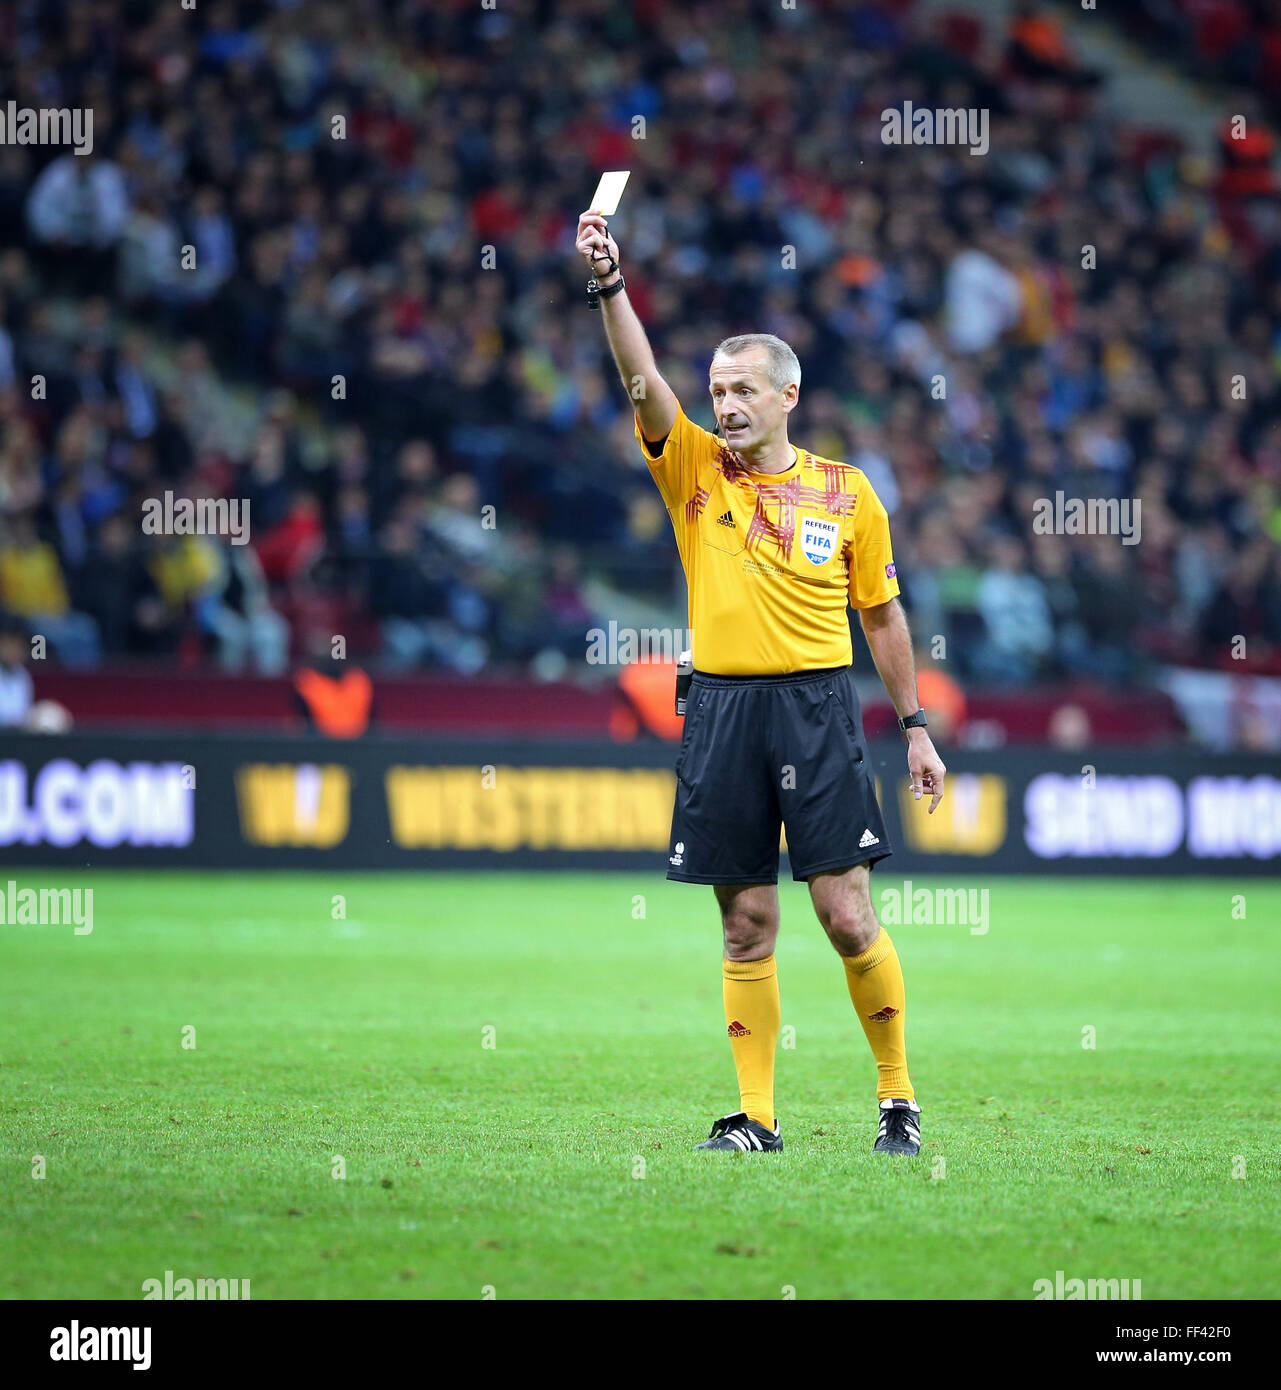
x: 736, y: 1030
x: 884, y: 1015
x: 726, y: 519
x: 868, y: 839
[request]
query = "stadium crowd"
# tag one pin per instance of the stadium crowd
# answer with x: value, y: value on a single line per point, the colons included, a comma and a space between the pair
x: 1102, y: 307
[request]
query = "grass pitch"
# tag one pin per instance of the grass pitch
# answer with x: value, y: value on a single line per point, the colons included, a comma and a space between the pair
x: 510, y: 1070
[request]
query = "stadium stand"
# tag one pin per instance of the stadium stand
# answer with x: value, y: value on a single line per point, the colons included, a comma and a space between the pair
x: 424, y: 260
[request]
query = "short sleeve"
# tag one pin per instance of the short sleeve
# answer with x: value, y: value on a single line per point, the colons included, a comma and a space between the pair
x: 873, y: 578
x: 686, y: 452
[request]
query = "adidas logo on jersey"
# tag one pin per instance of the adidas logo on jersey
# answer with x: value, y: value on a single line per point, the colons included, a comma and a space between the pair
x: 726, y: 519
x: 868, y: 839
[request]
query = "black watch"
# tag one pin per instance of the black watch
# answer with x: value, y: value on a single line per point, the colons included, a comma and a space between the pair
x: 914, y: 721
x: 596, y: 292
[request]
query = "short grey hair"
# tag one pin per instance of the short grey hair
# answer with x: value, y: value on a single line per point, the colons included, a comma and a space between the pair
x: 781, y: 364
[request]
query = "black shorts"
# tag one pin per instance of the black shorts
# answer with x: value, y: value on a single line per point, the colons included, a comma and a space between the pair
x: 763, y: 751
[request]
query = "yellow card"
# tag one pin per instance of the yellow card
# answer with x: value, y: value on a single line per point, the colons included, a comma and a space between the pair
x: 609, y: 192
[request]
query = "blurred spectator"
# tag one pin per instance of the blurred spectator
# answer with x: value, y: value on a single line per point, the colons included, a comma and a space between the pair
x: 117, y: 590
x: 983, y: 299
x: 566, y: 613
x: 33, y: 586
x: 16, y: 691
x: 1017, y: 619
x: 77, y: 212
x: 237, y: 611
x: 402, y: 594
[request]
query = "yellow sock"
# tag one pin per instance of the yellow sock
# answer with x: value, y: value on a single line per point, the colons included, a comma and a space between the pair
x: 752, y: 1016
x: 875, y: 979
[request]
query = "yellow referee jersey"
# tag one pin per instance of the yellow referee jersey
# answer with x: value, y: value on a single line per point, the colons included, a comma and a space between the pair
x: 770, y: 559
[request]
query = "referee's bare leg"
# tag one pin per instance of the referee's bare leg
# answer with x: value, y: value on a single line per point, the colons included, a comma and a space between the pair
x: 749, y: 917
x: 843, y: 901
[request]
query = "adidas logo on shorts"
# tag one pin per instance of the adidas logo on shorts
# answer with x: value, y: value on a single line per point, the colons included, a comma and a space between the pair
x: 868, y: 839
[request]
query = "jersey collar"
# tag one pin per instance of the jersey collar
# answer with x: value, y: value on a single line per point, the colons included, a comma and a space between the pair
x: 785, y: 475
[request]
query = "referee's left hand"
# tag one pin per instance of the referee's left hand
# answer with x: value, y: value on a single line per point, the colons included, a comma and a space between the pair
x: 926, y: 767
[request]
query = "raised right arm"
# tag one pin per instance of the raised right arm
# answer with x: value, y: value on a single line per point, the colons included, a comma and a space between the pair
x: 653, y: 399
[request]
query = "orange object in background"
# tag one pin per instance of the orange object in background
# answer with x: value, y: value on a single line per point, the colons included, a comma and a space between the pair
x: 648, y: 690
x: 1041, y: 36
x: 337, y: 706
x: 942, y: 699
x: 1247, y: 154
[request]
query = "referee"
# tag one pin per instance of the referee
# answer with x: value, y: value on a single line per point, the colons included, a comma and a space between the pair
x: 775, y: 542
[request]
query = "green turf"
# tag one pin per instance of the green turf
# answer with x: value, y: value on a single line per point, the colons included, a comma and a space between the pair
x: 557, y: 1164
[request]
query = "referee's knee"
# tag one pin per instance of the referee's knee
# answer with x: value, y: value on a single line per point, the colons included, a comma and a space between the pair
x: 852, y: 933
x: 750, y: 923
x: 850, y: 923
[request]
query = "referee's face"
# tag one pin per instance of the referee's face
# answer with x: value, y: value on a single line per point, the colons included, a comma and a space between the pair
x: 751, y: 412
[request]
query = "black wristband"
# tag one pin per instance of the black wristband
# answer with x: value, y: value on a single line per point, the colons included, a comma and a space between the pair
x: 595, y: 293
x: 913, y: 721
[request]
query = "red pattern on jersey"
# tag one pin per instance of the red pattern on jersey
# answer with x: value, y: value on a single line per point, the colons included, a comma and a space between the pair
x: 782, y: 499
x: 696, y: 503
x: 729, y: 464
x: 837, y: 503
x: 781, y: 528
x: 782, y: 532
x: 839, y: 477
